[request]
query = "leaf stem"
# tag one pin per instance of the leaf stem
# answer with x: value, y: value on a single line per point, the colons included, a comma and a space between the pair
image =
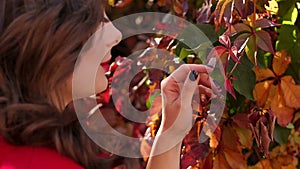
x: 234, y: 67
x: 254, y: 16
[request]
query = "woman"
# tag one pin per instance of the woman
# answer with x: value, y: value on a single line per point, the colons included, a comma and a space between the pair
x: 39, y: 44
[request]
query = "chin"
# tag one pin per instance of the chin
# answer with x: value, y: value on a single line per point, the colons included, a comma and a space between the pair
x: 101, y: 86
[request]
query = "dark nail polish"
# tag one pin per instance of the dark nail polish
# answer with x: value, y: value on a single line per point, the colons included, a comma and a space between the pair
x: 217, y: 84
x: 193, y: 75
x: 211, y: 63
x: 210, y: 66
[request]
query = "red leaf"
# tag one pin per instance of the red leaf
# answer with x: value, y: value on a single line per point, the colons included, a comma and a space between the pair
x: 264, y: 41
x: 233, y: 54
x: 229, y: 87
x: 237, y: 28
x: 262, y: 126
x: 204, y: 12
x: 241, y: 41
x: 241, y: 119
x: 123, y: 3
x: 240, y: 6
x: 265, y: 23
x: 208, y: 162
x: 223, y: 12
x: 230, y: 139
x: 244, y: 8
x: 264, y: 139
x: 219, y: 50
x: 225, y: 40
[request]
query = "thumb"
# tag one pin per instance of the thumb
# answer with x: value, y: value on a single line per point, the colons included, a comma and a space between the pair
x: 189, y: 87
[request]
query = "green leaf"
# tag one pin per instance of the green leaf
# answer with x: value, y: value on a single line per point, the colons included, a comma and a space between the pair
x: 245, y: 78
x: 184, y: 53
x: 235, y: 105
x: 264, y: 59
x: 251, y: 49
x: 291, y: 17
x: 195, y: 35
x: 284, y: 6
x: 151, y: 98
x: 281, y: 134
x: 289, y: 40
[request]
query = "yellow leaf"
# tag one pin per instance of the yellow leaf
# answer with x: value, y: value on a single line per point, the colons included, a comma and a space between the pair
x: 251, y: 19
x: 291, y: 92
x: 283, y: 113
x: 272, y: 7
x: 111, y: 2
x: 213, y: 142
x: 281, y: 62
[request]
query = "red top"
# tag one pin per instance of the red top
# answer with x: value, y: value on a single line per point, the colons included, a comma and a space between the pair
x: 27, y: 157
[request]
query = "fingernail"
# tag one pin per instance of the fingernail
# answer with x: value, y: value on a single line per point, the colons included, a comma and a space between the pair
x: 210, y: 66
x: 211, y: 63
x: 217, y: 84
x: 193, y: 75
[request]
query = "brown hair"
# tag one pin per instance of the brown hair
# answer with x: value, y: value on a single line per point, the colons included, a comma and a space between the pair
x: 39, y: 44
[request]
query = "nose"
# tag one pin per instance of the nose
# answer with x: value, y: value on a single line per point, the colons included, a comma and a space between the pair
x: 116, y: 36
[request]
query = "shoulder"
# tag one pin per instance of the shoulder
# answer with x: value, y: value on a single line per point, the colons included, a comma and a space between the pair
x: 26, y: 157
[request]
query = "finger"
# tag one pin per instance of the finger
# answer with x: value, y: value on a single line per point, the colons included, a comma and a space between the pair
x: 182, y: 72
x: 208, y: 81
x: 205, y: 90
x: 189, y: 87
x: 205, y: 80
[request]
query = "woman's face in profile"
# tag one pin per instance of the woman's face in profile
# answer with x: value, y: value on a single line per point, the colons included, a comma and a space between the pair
x: 88, y: 69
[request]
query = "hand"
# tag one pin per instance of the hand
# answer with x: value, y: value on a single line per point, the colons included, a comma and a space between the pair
x: 177, y: 93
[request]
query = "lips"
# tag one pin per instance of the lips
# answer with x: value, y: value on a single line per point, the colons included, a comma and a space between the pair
x: 106, y: 62
x: 105, y: 65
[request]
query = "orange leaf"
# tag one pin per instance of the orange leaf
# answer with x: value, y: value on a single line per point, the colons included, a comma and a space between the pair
x: 235, y: 159
x: 230, y: 139
x: 213, y: 132
x: 162, y: 2
x: 213, y: 142
x: 178, y: 7
x: 220, y: 162
x: 263, y: 93
x: 283, y: 113
x: 145, y: 149
x: 262, y: 74
x: 245, y: 137
x: 291, y: 92
x: 281, y: 62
